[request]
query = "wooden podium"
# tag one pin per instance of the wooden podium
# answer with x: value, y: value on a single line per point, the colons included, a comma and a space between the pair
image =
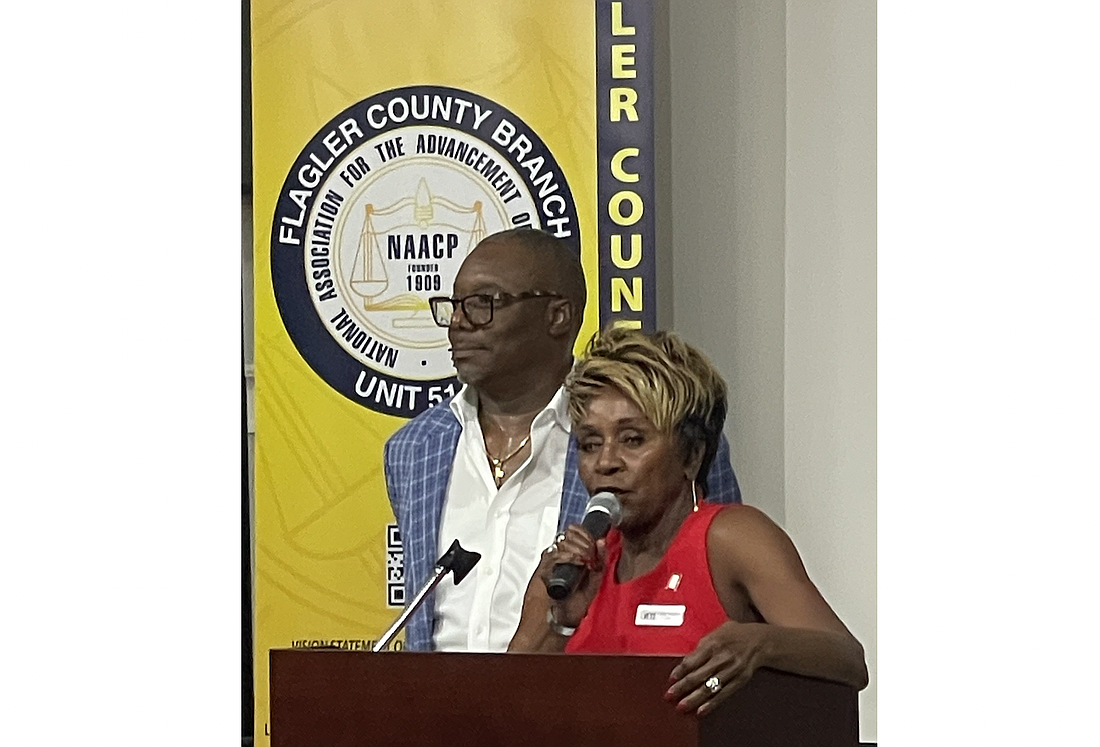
x: 346, y: 698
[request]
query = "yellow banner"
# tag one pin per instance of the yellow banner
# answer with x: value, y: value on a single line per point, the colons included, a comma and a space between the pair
x: 388, y: 137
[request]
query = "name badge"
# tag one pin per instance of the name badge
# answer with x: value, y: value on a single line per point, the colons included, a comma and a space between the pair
x: 662, y: 615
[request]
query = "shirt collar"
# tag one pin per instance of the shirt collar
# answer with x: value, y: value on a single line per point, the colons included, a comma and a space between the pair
x: 464, y: 407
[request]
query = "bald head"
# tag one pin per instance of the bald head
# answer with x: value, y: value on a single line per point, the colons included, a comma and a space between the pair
x: 553, y: 265
x: 524, y: 345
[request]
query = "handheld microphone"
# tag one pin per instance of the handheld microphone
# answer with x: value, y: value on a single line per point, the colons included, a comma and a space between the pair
x: 602, y: 513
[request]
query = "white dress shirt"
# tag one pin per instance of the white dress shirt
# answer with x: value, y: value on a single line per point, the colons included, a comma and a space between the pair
x: 509, y: 526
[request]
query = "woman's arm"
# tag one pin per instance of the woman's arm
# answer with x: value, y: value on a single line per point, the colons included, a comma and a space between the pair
x: 534, y: 636
x: 536, y: 633
x: 751, y: 556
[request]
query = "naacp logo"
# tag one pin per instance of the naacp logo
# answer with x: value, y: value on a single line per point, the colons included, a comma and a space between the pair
x: 376, y: 216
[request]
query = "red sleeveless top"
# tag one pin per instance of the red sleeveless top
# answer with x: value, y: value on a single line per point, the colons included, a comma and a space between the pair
x: 665, y: 611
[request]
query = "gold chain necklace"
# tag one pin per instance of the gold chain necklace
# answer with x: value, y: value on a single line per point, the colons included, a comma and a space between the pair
x: 498, y: 464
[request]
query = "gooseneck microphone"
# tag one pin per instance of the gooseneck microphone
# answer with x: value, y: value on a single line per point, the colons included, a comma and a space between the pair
x: 602, y: 513
x: 456, y: 561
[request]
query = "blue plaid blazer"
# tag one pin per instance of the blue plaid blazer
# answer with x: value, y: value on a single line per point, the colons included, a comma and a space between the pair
x: 418, y: 459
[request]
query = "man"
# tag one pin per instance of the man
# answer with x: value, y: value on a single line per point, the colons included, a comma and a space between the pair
x: 496, y: 466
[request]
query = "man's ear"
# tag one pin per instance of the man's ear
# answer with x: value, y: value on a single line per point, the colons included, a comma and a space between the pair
x: 560, y: 314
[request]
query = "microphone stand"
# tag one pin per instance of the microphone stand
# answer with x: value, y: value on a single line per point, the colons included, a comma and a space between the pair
x: 456, y: 561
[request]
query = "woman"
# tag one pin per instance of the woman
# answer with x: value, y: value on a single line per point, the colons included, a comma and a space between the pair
x: 722, y: 584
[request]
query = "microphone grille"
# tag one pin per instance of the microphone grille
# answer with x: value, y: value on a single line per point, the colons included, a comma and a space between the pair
x: 608, y: 503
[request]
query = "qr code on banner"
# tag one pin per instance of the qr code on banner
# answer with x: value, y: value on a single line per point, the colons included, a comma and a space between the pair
x: 395, y: 568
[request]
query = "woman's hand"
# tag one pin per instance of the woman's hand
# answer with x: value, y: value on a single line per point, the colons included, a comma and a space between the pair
x: 578, y: 547
x: 729, y: 654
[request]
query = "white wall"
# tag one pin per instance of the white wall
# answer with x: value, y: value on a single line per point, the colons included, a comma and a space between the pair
x: 773, y: 210
x: 830, y: 391
x: 728, y: 149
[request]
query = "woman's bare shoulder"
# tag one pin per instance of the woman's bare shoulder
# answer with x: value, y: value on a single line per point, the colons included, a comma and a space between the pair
x: 746, y: 533
x: 742, y: 521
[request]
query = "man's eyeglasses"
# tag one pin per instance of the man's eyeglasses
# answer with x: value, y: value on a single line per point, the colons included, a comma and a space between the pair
x: 478, y: 307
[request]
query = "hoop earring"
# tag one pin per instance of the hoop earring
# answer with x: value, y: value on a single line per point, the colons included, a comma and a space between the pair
x: 694, y: 498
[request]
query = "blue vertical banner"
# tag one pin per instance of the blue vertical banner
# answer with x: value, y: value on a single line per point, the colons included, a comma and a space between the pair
x: 625, y: 163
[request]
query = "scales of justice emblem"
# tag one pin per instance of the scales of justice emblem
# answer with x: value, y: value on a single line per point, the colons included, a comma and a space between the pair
x: 401, y: 239
x: 417, y: 242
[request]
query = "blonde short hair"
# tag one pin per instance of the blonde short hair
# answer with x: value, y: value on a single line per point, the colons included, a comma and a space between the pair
x: 672, y: 382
